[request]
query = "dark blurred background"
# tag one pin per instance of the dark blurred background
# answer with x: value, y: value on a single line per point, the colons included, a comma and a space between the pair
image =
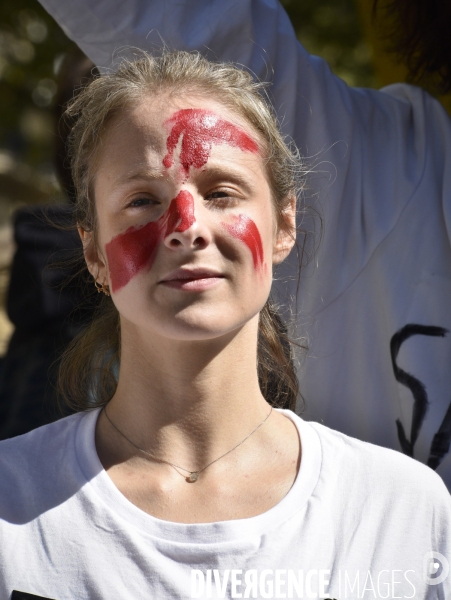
x: 33, y: 48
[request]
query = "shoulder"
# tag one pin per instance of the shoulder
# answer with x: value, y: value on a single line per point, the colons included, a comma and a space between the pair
x: 405, y: 92
x: 37, y: 466
x: 382, y: 473
x: 47, y: 439
x: 422, y: 109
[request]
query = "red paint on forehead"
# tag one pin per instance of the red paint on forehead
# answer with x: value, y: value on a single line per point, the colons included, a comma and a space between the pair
x: 130, y: 252
x: 246, y: 230
x: 201, y: 129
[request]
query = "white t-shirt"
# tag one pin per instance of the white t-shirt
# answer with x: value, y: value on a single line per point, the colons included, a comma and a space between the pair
x: 376, y: 308
x: 358, y: 516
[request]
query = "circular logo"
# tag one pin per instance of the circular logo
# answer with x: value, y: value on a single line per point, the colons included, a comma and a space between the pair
x: 435, y: 568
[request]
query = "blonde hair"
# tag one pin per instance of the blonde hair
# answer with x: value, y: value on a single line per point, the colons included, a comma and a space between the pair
x: 87, y: 373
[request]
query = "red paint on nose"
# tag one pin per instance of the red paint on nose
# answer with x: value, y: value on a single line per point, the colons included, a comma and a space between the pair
x: 180, y: 213
x: 201, y: 129
x: 246, y: 230
x: 134, y: 250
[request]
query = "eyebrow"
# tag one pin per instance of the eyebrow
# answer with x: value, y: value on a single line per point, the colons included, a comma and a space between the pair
x: 212, y: 171
x: 141, y: 175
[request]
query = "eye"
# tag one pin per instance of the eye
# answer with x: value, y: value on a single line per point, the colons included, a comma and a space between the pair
x: 224, y: 197
x: 141, y: 201
x: 220, y: 194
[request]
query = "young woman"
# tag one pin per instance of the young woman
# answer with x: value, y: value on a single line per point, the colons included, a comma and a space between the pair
x: 187, y: 480
x: 383, y: 271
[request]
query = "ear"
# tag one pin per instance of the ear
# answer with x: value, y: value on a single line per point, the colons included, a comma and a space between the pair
x: 94, y: 260
x: 286, y: 236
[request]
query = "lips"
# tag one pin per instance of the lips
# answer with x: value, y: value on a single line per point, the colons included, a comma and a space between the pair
x: 192, y: 279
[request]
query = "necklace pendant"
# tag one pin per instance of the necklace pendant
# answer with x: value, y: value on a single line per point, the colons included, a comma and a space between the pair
x: 192, y: 477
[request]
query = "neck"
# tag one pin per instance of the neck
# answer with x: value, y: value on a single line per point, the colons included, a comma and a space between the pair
x: 188, y: 400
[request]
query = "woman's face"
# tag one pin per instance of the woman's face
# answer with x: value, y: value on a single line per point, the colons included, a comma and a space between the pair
x: 186, y: 229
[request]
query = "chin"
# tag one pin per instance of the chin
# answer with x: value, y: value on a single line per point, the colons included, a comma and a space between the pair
x: 202, y: 329
x: 190, y: 324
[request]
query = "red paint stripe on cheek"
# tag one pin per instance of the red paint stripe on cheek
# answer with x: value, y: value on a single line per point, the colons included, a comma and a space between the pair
x: 131, y: 251
x: 246, y: 230
x: 135, y: 249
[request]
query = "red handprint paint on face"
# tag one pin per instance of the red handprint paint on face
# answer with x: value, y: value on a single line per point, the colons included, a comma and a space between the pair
x: 134, y: 250
x: 201, y: 129
x: 246, y: 230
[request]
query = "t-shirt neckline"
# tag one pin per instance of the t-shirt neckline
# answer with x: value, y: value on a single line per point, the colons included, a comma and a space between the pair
x: 221, y: 532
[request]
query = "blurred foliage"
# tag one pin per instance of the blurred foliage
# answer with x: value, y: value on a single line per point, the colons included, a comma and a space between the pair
x: 32, y: 48
x: 331, y: 29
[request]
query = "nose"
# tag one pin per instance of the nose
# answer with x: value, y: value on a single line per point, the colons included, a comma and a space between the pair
x: 183, y: 229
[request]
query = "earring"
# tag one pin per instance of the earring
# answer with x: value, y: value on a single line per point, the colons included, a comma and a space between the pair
x: 102, y: 288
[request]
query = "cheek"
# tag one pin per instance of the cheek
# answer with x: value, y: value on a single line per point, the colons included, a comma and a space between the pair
x: 244, y: 229
x: 134, y: 250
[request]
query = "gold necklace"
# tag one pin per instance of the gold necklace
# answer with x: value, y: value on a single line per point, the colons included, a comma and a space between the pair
x: 192, y: 475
